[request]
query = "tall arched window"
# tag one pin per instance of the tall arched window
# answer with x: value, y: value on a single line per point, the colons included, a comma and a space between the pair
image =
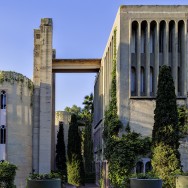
x: 3, y: 100
x: 148, y: 167
x: 171, y: 35
x: 161, y: 36
x: 134, y: 37
x: 180, y: 35
x: 152, y: 36
x: 142, y: 81
x: 151, y: 81
x: 2, y: 134
x: 133, y: 81
x: 143, y: 36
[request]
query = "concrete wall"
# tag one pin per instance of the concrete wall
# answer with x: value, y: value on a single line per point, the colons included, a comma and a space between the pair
x: 19, y: 124
x: 142, y: 120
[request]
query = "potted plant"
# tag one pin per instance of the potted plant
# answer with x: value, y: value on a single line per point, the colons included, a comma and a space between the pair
x: 145, y: 181
x: 182, y: 180
x: 51, y: 180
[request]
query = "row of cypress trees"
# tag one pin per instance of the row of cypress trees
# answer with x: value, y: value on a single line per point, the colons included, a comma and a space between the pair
x: 72, y: 168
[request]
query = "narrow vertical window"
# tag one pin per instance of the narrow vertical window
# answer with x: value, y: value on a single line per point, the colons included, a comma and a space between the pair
x: 3, y: 100
x: 161, y: 36
x: 2, y: 134
x: 180, y: 35
x: 151, y: 81
x: 171, y: 34
x: 142, y: 81
x: 152, y: 36
x: 133, y: 81
x: 143, y: 36
x: 179, y: 82
x: 134, y: 37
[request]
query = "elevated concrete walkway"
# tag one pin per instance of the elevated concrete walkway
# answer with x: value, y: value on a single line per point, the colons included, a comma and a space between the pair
x: 76, y: 65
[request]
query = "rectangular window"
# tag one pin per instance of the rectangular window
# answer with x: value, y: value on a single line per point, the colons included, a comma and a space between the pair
x: 2, y: 134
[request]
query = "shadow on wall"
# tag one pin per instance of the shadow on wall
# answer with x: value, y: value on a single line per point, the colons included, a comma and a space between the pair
x: 142, y: 116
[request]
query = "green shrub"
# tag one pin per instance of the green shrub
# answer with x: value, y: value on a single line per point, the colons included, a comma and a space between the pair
x: 35, y: 176
x: 73, y: 170
x: 7, y: 174
x: 75, y: 165
x: 165, y: 165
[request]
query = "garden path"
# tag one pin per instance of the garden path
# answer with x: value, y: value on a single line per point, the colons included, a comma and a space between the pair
x: 86, y: 186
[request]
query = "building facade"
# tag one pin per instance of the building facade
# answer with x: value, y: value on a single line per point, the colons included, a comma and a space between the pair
x: 16, y: 123
x: 143, y: 37
x: 146, y: 38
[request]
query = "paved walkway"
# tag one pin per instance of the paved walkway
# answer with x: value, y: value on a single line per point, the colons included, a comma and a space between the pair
x: 86, y: 186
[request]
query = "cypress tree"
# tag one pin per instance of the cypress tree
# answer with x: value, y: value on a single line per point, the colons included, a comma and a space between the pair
x: 75, y: 165
x: 165, y: 135
x: 88, y: 143
x: 60, y: 151
x: 166, y: 129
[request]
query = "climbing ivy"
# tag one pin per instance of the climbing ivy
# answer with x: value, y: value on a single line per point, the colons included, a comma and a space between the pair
x: 121, y: 153
x: 12, y: 77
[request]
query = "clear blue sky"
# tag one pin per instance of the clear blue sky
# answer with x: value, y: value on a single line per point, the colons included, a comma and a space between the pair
x: 80, y: 30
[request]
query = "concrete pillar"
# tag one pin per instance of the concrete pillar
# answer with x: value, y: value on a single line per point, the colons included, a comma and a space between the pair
x: 166, y: 54
x: 183, y: 54
x: 45, y: 139
x: 175, y: 57
x: 36, y: 99
x: 147, y: 68
x: 138, y: 57
x: 53, y: 146
x: 156, y: 54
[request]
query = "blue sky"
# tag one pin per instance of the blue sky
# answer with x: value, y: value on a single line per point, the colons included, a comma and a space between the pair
x: 80, y: 30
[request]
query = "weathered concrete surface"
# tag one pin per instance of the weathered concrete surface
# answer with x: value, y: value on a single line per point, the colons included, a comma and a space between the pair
x: 19, y: 127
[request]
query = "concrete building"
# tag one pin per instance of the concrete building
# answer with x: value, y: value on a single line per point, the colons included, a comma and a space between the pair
x: 146, y: 38
x: 16, y: 123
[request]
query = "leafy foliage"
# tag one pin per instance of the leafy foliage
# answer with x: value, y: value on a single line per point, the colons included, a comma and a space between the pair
x: 60, y: 151
x: 165, y: 164
x: 7, y: 174
x: 35, y: 176
x: 124, y: 154
x: 121, y: 153
x: 12, y: 77
x: 74, y: 110
x: 165, y: 135
x: 75, y: 166
x: 183, y: 121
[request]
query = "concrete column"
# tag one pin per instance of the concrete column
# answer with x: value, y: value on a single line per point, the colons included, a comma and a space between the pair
x: 166, y: 54
x: 53, y: 146
x: 147, y: 68
x: 183, y: 59
x: 138, y: 58
x: 36, y: 99
x: 45, y: 139
x: 175, y: 57
x: 156, y: 54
